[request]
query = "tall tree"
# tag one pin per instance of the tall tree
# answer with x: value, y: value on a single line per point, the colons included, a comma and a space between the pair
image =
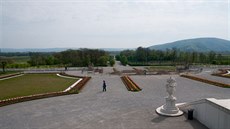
x: 124, y: 60
x: 141, y: 54
x: 211, y: 56
x: 4, y: 66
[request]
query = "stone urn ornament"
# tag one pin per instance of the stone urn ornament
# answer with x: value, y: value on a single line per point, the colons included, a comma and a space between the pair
x: 170, y: 108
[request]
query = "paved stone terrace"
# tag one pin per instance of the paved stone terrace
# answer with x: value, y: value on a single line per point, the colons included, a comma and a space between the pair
x: 115, y: 109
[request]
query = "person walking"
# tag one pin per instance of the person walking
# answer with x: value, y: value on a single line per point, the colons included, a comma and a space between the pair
x: 104, y: 86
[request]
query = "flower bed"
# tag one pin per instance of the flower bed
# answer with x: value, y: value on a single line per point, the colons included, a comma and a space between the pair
x: 31, y: 97
x: 222, y: 73
x: 130, y: 84
x: 78, y: 87
x: 206, y: 81
x: 81, y: 84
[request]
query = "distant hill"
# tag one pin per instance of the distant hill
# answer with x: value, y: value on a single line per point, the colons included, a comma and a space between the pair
x: 197, y: 44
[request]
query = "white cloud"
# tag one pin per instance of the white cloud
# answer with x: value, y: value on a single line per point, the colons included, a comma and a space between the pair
x: 55, y: 23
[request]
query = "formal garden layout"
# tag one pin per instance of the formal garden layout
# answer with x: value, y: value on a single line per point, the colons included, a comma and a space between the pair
x: 114, y: 64
x: 135, y: 88
x: 14, y: 88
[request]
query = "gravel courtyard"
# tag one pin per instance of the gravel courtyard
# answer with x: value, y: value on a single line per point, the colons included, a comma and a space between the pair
x: 115, y: 109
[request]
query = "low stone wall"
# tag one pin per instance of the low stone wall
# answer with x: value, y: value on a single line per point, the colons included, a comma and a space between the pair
x: 206, y: 81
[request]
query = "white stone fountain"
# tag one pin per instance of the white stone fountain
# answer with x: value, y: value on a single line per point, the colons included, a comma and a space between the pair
x: 170, y: 108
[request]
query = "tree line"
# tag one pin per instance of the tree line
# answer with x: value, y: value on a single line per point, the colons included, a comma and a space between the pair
x: 68, y: 58
x: 145, y: 56
x: 76, y: 58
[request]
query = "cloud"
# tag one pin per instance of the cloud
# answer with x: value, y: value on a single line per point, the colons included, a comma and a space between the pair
x: 106, y: 23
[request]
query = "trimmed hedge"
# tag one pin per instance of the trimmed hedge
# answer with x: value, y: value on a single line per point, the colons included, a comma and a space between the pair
x: 78, y: 87
x: 206, y: 81
x: 130, y: 84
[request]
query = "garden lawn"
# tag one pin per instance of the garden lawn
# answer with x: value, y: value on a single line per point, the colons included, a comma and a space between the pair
x: 30, y: 84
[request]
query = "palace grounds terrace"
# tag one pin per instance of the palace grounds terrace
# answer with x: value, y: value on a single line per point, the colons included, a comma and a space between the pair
x: 117, y: 108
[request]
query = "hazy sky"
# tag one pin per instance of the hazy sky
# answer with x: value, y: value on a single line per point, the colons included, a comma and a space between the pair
x: 109, y: 23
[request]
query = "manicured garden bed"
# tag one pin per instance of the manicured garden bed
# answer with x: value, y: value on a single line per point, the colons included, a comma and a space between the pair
x: 222, y: 73
x: 37, y: 86
x: 80, y: 85
x: 206, y: 81
x: 130, y: 84
x: 31, y: 84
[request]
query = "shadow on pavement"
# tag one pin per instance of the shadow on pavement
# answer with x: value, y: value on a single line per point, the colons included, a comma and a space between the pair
x: 158, y: 119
